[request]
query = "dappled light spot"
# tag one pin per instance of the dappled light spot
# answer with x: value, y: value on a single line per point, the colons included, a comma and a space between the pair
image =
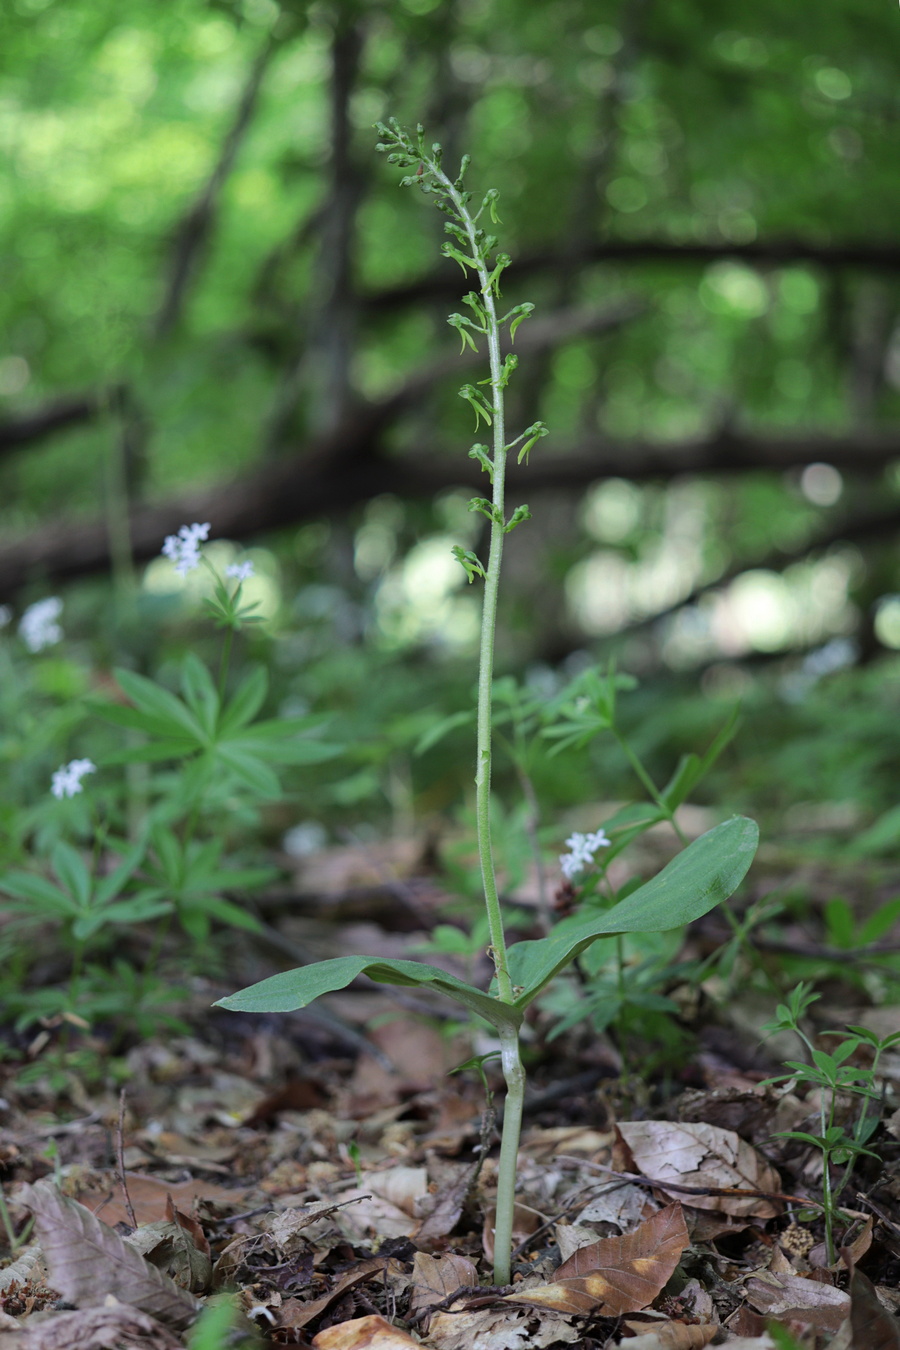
x: 821, y: 484
x: 887, y: 621
x: 14, y: 375
x: 419, y: 600
x: 833, y: 83
x: 731, y: 288
x: 626, y: 195
x: 612, y: 510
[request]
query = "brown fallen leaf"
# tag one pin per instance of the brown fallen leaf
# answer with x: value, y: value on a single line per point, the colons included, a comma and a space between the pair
x: 364, y: 1333
x: 618, y: 1274
x: 434, y: 1280
x: 87, y: 1261
x: 294, y: 1313
x: 149, y: 1194
x: 168, y: 1246
x: 500, y: 1329
x: 873, y: 1327
x: 371, y: 1214
x: 673, y: 1336
x: 705, y: 1157
x: 446, y: 1208
x: 288, y: 1227
x: 793, y: 1298
x: 94, y: 1329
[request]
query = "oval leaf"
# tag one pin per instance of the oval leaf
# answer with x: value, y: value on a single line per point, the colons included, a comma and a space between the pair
x: 296, y: 988
x: 694, y: 882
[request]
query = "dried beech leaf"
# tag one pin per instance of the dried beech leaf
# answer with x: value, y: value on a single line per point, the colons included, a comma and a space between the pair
x: 364, y: 1333
x: 500, y: 1329
x: 618, y: 1274
x: 446, y: 1209
x: 703, y: 1156
x: 95, y: 1329
x: 874, y: 1328
x: 673, y: 1336
x: 295, y: 1314
x: 434, y: 1280
x: 793, y: 1298
x: 88, y: 1261
x: 169, y: 1247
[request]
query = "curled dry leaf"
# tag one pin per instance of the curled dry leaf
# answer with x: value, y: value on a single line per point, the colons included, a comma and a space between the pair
x: 170, y: 1246
x: 703, y: 1156
x: 364, y: 1333
x: 88, y: 1261
x: 616, y: 1275
x: 24, y: 1268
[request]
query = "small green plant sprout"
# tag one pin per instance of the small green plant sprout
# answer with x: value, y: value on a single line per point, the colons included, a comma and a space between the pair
x: 702, y: 875
x: 834, y: 1078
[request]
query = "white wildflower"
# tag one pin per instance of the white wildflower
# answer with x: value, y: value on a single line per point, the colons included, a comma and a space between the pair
x: 38, y: 627
x: 184, y: 547
x: 583, y: 847
x: 67, y: 779
x: 240, y: 571
x: 5, y: 615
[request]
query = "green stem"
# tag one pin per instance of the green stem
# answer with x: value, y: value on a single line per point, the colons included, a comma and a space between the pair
x: 650, y: 786
x: 224, y: 661
x: 489, y: 605
x: 514, y: 1077
x: 511, y: 1060
x: 622, y: 1016
x: 660, y: 801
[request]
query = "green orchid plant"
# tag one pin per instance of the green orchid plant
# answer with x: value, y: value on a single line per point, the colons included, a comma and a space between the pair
x: 706, y: 872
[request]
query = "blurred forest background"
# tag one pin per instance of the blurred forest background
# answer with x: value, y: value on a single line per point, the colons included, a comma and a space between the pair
x: 219, y: 305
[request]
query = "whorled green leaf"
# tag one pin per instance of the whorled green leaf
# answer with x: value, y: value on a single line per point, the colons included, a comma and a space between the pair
x: 700, y: 877
x: 296, y: 988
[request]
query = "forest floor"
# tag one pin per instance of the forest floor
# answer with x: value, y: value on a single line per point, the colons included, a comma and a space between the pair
x: 322, y: 1179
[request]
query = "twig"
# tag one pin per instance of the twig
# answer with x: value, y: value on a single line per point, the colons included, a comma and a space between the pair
x: 120, y: 1161
x: 640, y: 1179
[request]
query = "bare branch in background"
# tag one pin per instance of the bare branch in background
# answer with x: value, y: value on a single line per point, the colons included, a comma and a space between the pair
x: 60, y: 414
x: 194, y: 232
x: 444, y: 281
x: 341, y: 471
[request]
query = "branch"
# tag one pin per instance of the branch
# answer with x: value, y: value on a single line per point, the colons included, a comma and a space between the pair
x: 347, y: 468
x: 58, y: 415
x: 443, y: 282
x: 193, y: 234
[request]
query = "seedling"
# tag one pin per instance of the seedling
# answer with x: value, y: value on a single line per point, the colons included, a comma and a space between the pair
x: 703, y: 874
x: 833, y: 1077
